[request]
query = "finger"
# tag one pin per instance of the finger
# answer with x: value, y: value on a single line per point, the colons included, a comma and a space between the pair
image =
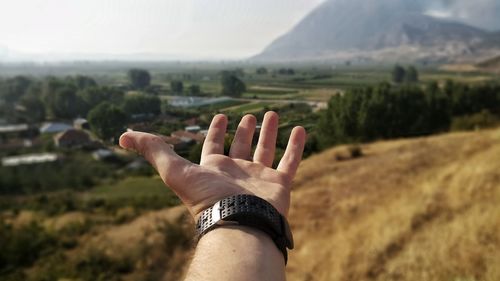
x: 264, y: 153
x: 242, y: 143
x: 293, y: 153
x: 214, y: 142
x: 169, y: 165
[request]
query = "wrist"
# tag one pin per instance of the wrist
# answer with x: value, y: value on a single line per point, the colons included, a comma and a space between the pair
x: 247, y: 241
x: 250, y: 211
x: 234, y: 246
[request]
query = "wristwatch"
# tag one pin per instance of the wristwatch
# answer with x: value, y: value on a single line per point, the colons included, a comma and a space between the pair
x: 248, y: 210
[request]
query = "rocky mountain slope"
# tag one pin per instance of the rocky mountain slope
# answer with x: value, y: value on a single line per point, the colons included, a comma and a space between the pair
x: 378, y: 31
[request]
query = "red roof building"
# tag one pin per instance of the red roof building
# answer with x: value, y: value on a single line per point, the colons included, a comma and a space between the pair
x: 186, y: 136
x: 72, y: 138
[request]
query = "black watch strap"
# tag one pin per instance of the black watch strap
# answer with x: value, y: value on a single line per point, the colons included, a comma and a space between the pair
x: 248, y: 210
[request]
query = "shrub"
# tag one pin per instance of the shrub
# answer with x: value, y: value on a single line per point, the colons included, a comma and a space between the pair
x: 21, y: 247
x: 482, y: 120
x: 355, y: 151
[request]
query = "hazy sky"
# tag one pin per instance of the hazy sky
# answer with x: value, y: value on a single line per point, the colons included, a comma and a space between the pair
x: 190, y: 28
x: 176, y: 29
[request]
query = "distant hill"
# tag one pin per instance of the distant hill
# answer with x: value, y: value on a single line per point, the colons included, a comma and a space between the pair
x: 492, y: 64
x: 377, y: 31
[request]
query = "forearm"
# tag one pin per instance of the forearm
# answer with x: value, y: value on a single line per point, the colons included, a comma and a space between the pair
x: 236, y: 253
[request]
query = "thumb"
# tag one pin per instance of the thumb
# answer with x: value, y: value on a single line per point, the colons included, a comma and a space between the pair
x: 171, y: 167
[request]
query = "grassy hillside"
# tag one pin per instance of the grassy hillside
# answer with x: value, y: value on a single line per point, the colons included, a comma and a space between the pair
x: 421, y: 209
x: 418, y: 209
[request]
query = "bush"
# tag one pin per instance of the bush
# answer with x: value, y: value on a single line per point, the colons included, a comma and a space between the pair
x: 77, y: 171
x: 176, y: 235
x: 21, y: 247
x: 91, y: 265
x: 482, y: 120
x: 355, y: 151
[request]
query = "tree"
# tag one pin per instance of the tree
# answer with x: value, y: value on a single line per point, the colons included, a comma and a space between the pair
x: 177, y: 86
x: 439, y: 108
x: 107, y: 121
x: 398, y: 74
x: 83, y: 82
x: 34, y: 108
x: 13, y: 89
x: 142, y: 104
x: 411, y: 75
x: 286, y: 71
x: 239, y: 72
x: 261, y: 71
x: 66, y: 104
x: 194, y: 90
x: 139, y: 78
x: 95, y: 95
x: 232, y: 85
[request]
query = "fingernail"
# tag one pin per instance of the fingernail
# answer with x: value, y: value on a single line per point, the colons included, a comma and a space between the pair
x: 127, y: 143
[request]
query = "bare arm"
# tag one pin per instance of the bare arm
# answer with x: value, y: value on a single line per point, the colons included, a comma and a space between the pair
x: 236, y: 252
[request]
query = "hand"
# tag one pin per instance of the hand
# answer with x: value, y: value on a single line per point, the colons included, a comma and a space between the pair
x: 219, y: 176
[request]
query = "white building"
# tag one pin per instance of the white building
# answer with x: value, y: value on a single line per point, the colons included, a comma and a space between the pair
x: 29, y: 159
x: 51, y: 128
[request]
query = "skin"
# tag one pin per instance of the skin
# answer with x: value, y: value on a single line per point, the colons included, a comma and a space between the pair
x: 229, y: 252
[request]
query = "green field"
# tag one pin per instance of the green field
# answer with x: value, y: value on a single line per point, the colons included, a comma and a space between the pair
x: 250, y: 107
x: 223, y: 105
x: 131, y: 188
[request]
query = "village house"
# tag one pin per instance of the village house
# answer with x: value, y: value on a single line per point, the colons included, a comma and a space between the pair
x: 53, y: 128
x: 17, y: 131
x: 178, y: 101
x: 17, y: 136
x: 140, y: 127
x: 204, y: 133
x: 193, y: 129
x: 81, y: 124
x: 191, y: 121
x: 13, y: 129
x: 187, y: 136
x: 72, y: 138
x: 29, y: 159
x: 103, y: 154
x: 137, y: 164
x: 16, y: 144
x: 177, y: 144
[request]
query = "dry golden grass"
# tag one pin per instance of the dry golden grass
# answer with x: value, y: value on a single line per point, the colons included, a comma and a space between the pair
x: 459, y: 67
x: 421, y: 209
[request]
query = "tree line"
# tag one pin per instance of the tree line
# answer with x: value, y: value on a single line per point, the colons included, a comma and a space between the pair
x: 33, y: 101
x: 388, y: 111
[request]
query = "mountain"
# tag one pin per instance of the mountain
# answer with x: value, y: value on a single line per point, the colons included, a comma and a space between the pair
x: 377, y: 31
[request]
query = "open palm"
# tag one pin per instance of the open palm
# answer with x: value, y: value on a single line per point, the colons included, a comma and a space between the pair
x: 219, y: 176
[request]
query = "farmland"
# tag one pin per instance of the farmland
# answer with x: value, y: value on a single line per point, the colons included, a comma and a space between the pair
x: 78, y: 210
